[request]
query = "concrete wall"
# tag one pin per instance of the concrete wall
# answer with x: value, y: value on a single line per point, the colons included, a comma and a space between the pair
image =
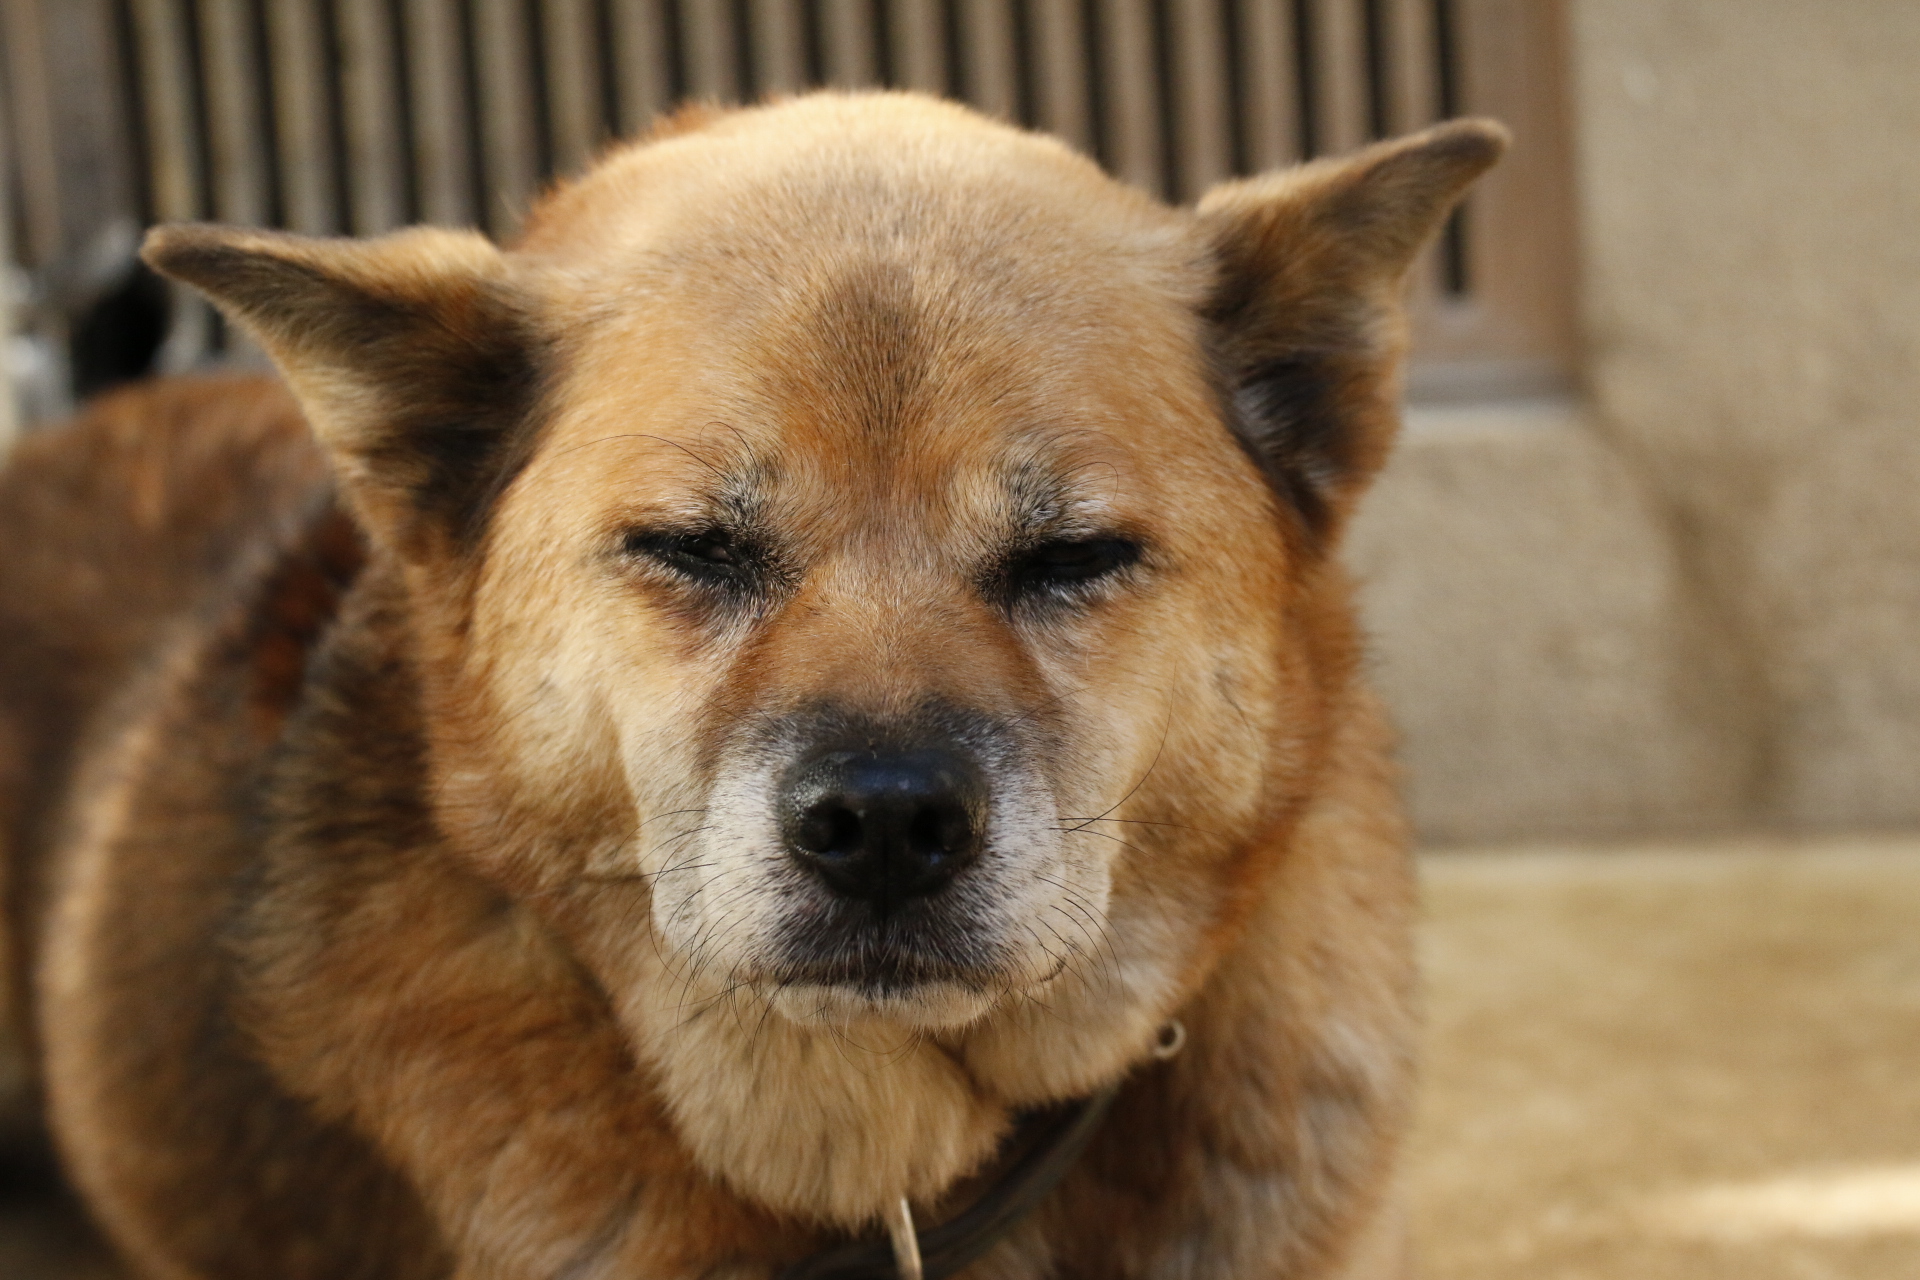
x: 1750, y: 190
x: 1694, y: 600
x: 1533, y: 631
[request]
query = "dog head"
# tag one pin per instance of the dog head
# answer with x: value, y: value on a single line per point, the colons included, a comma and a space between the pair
x: 888, y: 547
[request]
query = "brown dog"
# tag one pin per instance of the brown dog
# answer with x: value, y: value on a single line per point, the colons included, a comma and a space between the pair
x: 824, y: 648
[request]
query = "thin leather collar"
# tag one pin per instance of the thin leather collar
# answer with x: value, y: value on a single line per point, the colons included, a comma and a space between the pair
x: 1057, y: 1139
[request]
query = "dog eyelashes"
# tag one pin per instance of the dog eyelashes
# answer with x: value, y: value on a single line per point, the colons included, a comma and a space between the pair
x: 1063, y: 568
x: 715, y: 557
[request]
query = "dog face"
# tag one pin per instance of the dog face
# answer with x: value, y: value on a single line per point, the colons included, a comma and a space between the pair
x: 869, y: 533
x: 889, y: 577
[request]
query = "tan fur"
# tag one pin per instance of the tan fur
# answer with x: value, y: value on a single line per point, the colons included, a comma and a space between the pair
x: 483, y: 938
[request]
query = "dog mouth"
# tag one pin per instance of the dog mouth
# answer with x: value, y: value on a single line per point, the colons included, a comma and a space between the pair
x: 884, y: 976
x: 850, y: 947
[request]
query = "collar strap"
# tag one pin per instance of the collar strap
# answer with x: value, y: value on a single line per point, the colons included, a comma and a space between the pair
x: 1059, y: 1137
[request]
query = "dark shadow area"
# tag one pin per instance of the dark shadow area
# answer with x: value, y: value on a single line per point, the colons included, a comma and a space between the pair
x: 117, y: 337
x: 44, y: 1233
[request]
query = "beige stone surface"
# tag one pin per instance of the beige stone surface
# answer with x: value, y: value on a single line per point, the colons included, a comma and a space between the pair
x: 1534, y: 635
x: 1665, y: 1062
x: 1749, y: 193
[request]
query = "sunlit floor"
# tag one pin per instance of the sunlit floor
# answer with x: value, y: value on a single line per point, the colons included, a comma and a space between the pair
x: 1668, y: 1061
x: 1647, y: 1062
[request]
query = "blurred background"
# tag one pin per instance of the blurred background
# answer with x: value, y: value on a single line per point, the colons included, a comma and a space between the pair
x: 1643, y: 580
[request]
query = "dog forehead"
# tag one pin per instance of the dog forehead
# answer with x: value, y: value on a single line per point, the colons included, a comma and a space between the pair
x: 893, y: 383
x: 874, y: 292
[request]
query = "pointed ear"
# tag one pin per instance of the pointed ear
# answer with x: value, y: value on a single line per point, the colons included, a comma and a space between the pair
x: 413, y: 355
x: 1306, y: 315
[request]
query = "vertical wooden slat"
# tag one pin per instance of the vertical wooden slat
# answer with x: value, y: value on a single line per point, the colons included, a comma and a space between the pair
x: 297, y: 37
x: 442, y: 150
x: 706, y: 30
x: 75, y: 159
x: 987, y: 53
x: 919, y: 38
x: 1340, y: 67
x: 1132, y: 98
x: 1413, y: 93
x: 573, y: 82
x: 643, y: 74
x: 36, y: 149
x: 11, y: 409
x: 174, y: 160
x: 1061, y: 101
x: 235, y: 112
x: 1202, y: 144
x: 236, y: 154
x: 369, y: 82
x: 846, y: 28
x: 779, y: 44
x: 1513, y: 331
x: 508, y: 131
x: 1269, y: 101
x: 160, y: 38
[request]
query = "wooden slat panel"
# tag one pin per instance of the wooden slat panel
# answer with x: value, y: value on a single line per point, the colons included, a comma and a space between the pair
x: 36, y: 150
x: 442, y: 146
x: 235, y: 148
x: 173, y: 140
x: 846, y: 28
x: 174, y: 161
x: 643, y: 78
x: 1132, y: 92
x: 1514, y: 332
x: 988, y: 55
x: 1199, y: 92
x: 706, y: 31
x: 1062, y: 103
x: 73, y: 148
x: 1269, y: 100
x: 919, y: 37
x: 779, y: 46
x: 1340, y: 66
x: 369, y: 83
x: 297, y: 39
x: 573, y: 82
x: 12, y: 411
x: 510, y: 145
x: 1413, y: 95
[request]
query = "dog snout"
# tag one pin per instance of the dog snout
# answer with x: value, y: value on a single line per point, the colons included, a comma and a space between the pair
x: 884, y: 826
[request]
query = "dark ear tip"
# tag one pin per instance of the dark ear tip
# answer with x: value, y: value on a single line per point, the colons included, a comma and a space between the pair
x: 186, y: 250
x: 1474, y: 143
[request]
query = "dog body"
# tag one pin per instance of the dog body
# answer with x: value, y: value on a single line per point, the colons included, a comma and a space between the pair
x: 823, y: 648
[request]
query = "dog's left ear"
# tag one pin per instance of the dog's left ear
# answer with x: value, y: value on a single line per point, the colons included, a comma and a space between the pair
x: 1306, y: 316
x: 414, y: 356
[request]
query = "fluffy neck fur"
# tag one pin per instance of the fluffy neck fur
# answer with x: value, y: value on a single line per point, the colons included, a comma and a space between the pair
x: 827, y: 1124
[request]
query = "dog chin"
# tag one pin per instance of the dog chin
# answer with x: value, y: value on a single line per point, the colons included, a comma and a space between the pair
x: 928, y: 1006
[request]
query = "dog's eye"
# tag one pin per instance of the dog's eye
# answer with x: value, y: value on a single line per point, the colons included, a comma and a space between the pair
x: 711, y: 555
x: 1069, y: 562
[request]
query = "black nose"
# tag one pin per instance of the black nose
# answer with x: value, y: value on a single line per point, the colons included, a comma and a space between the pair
x: 884, y: 826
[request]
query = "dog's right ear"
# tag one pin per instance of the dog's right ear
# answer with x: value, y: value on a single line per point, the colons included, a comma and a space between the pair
x: 1305, y: 319
x: 414, y: 356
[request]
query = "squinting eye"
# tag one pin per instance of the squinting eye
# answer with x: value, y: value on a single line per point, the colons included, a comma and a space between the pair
x: 711, y: 548
x: 1069, y: 562
x: 711, y: 555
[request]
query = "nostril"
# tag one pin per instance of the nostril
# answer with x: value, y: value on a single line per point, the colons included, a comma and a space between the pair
x: 940, y: 829
x: 828, y: 828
